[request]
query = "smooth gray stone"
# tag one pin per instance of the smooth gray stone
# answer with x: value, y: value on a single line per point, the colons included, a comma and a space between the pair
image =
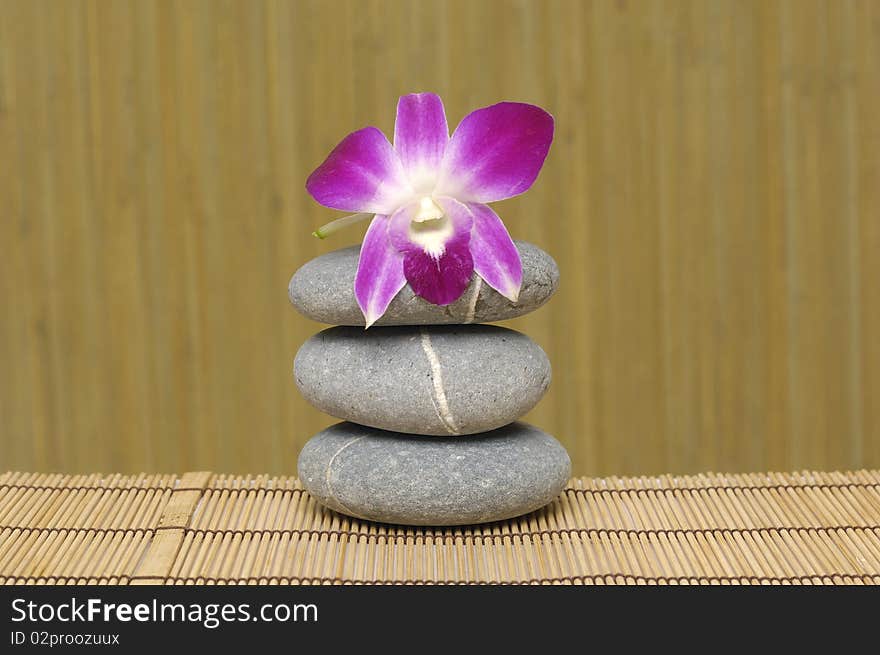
x: 411, y: 480
x: 323, y: 290
x: 431, y: 380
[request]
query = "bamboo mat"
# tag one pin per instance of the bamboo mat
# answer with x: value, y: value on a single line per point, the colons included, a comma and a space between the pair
x: 203, y: 528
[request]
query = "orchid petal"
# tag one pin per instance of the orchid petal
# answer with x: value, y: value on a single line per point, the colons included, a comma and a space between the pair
x: 496, y: 259
x: 440, y: 281
x: 496, y: 152
x: 379, y: 275
x: 420, y: 137
x: 437, y: 261
x: 362, y: 174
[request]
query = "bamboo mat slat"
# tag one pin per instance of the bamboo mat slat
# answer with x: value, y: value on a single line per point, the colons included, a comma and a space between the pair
x: 203, y: 528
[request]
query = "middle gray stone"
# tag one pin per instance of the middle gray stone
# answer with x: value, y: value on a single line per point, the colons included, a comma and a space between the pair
x: 432, y: 380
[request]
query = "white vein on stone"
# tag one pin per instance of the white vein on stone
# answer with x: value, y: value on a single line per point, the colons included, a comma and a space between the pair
x: 330, y: 491
x: 438, y: 398
x: 472, y: 305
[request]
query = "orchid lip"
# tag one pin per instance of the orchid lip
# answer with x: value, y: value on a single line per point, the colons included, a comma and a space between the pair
x: 431, y: 235
x: 429, y: 228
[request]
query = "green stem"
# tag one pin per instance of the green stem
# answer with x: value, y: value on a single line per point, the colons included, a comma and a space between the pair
x: 326, y: 230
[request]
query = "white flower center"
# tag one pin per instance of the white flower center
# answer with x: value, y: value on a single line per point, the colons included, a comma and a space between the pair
x: 430, y: 228
x: 428, y: 210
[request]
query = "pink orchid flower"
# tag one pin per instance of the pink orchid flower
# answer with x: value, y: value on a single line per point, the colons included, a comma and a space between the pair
x: 427, y: 194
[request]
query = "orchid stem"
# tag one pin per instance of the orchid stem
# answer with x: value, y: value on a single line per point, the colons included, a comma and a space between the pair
x: 326, y: 230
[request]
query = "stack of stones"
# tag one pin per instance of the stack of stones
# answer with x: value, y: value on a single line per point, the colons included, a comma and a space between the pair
x: 430, y: 400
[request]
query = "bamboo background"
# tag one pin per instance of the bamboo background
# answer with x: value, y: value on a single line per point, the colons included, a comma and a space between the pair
x: 711, y: 198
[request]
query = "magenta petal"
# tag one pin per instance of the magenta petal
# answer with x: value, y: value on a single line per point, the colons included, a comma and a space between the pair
x: 380, y: 271
x: 441, y: 280
x: 420, y: 137
x: 496, y: 259
x: 437, y: 260
x: 496, y: 152
x: 362, y: 174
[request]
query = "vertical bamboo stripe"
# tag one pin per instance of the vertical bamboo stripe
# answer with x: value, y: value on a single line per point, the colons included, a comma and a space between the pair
x: 167, y: 540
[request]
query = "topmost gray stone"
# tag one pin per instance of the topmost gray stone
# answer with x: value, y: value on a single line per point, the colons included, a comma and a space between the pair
x: 323, y: 290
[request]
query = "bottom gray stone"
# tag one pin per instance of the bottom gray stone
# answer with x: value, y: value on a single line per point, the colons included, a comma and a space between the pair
x: 414, y: 480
